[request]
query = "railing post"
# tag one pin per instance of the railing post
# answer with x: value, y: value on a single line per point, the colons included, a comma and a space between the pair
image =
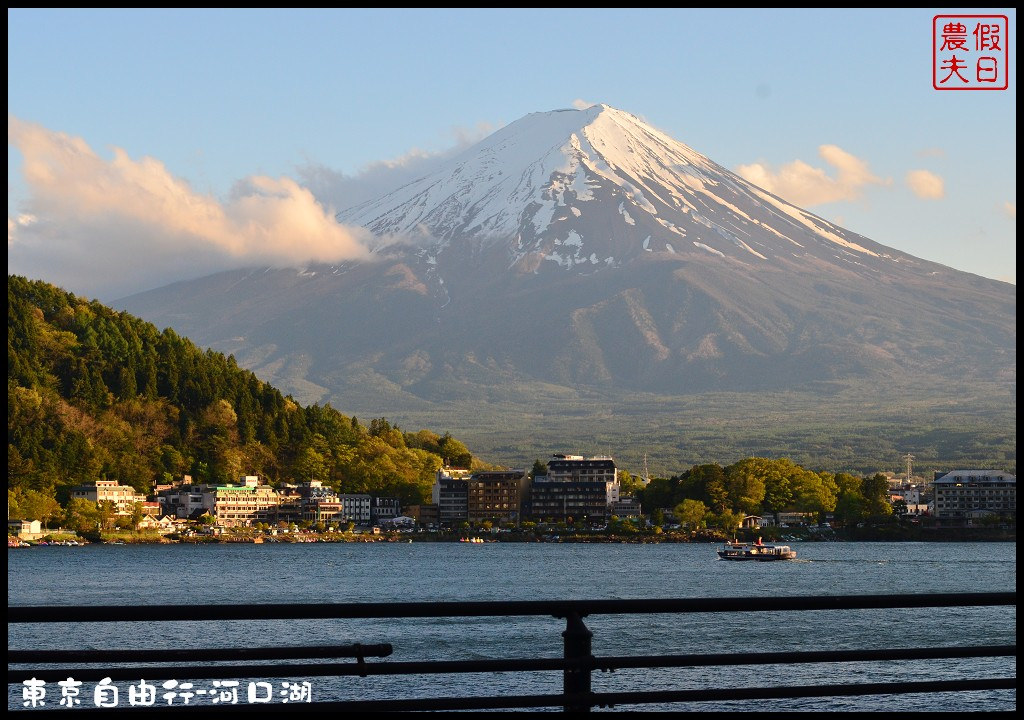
x: 577, y: 645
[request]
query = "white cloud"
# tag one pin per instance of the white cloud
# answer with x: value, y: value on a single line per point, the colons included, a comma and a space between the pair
x: 1010, y: 208
x: 804, y: 185
x: 344, y: 191
x: 116, y: 226
x: 582, y: 104
x: 925, y: 184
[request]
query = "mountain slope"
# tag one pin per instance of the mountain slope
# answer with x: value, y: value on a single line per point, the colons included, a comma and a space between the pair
x: 584, y: 251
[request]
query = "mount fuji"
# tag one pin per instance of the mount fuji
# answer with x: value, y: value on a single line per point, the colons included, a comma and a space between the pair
x: 581, y: 254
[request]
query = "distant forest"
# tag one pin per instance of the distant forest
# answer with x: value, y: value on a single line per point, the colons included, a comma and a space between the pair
x: 93, y: 393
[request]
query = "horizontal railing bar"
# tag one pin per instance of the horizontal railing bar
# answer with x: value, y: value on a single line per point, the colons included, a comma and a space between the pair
x: 802, y: 657
x: 191, y: 672
x: 608, y: 663
x: 495, y: 608
x: 594, y: 699
x: 612, y: 663
x: 265, y: 653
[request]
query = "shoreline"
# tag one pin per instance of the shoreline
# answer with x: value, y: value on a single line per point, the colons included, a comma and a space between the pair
x: 866, y: 534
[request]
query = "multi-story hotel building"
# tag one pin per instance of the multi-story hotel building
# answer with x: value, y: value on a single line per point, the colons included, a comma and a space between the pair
x: 231, y: 505
x: 495, y: 495
x: 355, y: 507
x: 450, y: 494
x: 966, y: 495
x: 123, y: 497
x: 577, y: 488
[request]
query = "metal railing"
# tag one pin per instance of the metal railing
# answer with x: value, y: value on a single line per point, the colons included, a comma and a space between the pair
x: 577, y: 663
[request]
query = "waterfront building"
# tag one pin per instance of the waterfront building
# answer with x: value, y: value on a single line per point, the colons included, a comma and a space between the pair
x: 495, y: 495
x: 383, y: 509
x: 424, y: 515
x: 577, y: 488
x: 230, y: 505
x: 25, y: 529
x: 966, y: 496
x: 123, y: 497
x: 626, y: 507
x: 450, y: 494
x: 355, y: 507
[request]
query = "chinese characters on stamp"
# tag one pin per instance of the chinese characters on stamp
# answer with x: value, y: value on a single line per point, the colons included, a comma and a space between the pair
x: 970, y: 52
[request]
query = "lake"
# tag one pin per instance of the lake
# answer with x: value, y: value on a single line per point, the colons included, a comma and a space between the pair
x: 428, y: 571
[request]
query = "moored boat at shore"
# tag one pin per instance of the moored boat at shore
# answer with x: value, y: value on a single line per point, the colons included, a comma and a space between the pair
x: 736, y: 550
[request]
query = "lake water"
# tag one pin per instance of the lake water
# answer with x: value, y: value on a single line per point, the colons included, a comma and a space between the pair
x: 421, y: 571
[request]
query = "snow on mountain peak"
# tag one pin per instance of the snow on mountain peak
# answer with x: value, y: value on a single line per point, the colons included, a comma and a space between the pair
x: 587, y: 189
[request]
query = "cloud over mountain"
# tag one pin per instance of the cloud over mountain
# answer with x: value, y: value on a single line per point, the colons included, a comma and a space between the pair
x: 91, y: 213
x: 807, y: 186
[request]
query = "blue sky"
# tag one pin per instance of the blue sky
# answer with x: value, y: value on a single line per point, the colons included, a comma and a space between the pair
x: 128, y: 128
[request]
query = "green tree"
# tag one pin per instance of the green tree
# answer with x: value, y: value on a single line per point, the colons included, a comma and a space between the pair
x: 728, y: 521
x: 82, y: 516
x: 875, y: 490
x: 628, y: 484
x: 813, y: 492
x: 659, y: 493
x: 690, y: 514
x: 107, y: 514
x: 851, y: 508
x: 745, y: 485
x: 778, y: 486
x: 29, y: 504
x: 709, y: 480
x: 456, y: 454
x: 900, y: 508
x: 310, y: 465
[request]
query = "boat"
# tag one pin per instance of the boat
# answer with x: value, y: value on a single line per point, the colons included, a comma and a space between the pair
x: 736, y: 550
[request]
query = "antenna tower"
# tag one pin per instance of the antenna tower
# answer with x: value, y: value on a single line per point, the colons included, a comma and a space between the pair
x: 910, y: 466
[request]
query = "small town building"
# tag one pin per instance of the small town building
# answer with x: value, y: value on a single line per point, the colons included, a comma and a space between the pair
x: 383, y: 509
x: 355, y: 508
x: 25, y: 529
x: 626, y: 507
x: 123, y: 497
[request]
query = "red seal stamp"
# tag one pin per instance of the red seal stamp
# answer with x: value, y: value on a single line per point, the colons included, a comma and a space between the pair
x: 970, y: 52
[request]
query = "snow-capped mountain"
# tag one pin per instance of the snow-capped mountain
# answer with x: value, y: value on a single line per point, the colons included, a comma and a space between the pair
x: 584, y: 249
x: 590, y: 189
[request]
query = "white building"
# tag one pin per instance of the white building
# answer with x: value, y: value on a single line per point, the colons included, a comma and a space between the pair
x: 123, y: 497
x: 355, y: 508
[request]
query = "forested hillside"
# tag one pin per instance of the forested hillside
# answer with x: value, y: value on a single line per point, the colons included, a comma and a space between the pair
x: 94, y: 393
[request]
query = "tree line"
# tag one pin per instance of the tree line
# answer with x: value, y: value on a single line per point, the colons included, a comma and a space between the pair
x: 710, y: 495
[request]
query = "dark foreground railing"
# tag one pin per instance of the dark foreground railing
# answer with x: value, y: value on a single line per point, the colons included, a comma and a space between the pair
x: 35, y: 670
